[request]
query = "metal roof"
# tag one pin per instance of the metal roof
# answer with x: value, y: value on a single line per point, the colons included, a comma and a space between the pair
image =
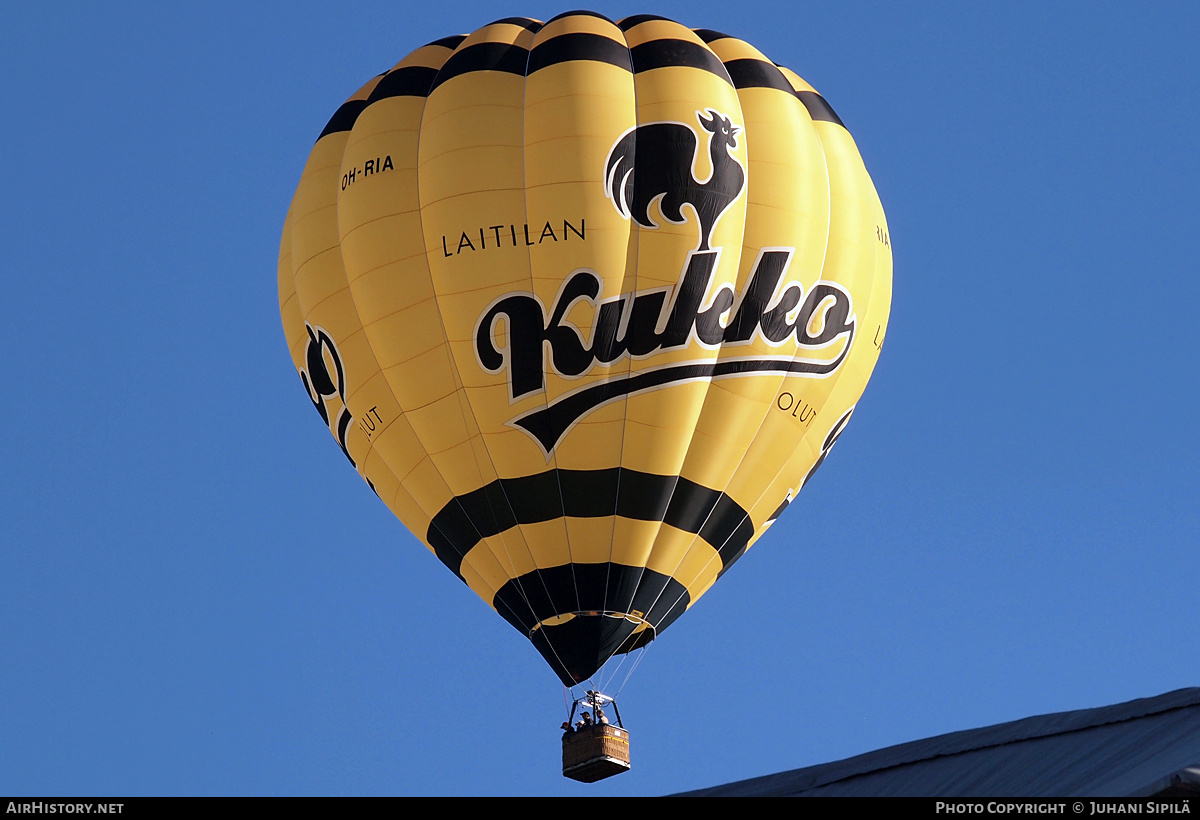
x: 1145, y: 747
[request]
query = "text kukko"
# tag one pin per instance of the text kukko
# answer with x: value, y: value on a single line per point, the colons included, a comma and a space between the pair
x: 530, y: 329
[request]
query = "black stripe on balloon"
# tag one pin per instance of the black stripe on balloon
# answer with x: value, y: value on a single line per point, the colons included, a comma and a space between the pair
x: 638, y: 19
x: 453, y: 532
x: 751, y: 73
x: 550, y: 423
x: 729, y: 519
x: 579, y: 46
x: 818, y: 108
x: 578, y: 13
x: 576, y: 648
x: 670, y: 52
x: 574, y: 588
x: 449, y: 42
x: 524, y: 22
x: 484, y: 57
x: 708, y: 35
x: 730, y: 551
x: 410, y: 81
x: 507, y: 502
x: 343, y: 119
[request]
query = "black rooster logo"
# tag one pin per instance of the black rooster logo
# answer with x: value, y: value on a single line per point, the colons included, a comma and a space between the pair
x: 655, y: 162
x: 320, y: 385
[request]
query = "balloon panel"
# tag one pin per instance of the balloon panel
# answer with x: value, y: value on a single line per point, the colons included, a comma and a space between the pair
x: 586, y: 304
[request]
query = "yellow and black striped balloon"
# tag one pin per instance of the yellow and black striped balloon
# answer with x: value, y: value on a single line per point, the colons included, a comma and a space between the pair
x: 586, y: 303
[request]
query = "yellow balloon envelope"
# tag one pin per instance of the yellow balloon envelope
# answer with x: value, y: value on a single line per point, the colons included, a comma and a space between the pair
x: 586, y: 303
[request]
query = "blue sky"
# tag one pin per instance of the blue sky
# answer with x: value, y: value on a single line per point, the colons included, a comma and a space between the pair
x: 200, y: 597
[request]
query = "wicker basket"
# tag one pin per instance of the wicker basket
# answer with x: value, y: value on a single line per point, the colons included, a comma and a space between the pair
x: 595, y: 752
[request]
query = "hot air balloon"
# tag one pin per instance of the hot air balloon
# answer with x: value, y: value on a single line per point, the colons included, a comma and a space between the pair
x: 585, y: 303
